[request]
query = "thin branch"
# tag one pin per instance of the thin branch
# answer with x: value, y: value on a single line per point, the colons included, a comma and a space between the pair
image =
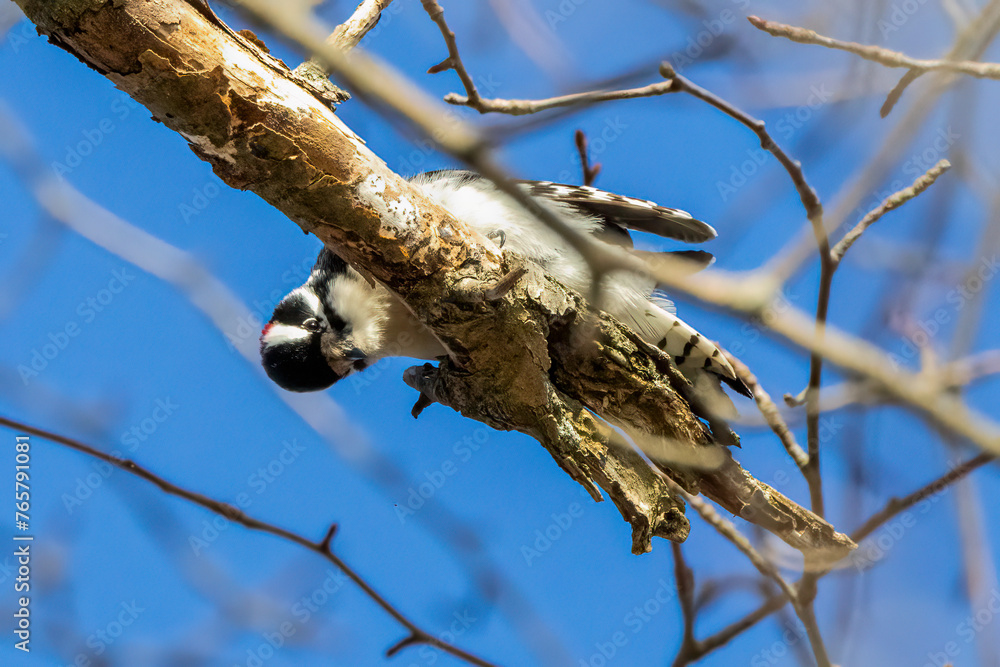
x: 897, y: 505
x: 772, y: 604
x: 890, y: 203
x: 474, y: 100
x: 731, y: 533
x: 803, y: 608
x: 347, y: 35
x: 970, y: 44
x: 814, y: 212
x: 770, y: 412
x: 589, y: 172
x: 517, y: 107
x: 807, y: 194
x: 344, y: 37
x: 876, y: 53
x: 454, y: 60
x: 234, y: 514
x: 684, y: 578
x: 733, y: 630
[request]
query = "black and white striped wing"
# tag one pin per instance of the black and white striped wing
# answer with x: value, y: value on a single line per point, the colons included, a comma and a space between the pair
x: 637, y: 214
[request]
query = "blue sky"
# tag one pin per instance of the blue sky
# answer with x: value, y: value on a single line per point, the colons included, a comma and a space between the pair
x: 147, y: 374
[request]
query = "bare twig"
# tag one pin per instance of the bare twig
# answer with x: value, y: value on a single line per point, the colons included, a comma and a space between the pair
x: 770, y: 413
x: 231, y: 513
x: 890, y: 203
x: 347, y: 35
x: 516, y: 107
x: 876, y: 53
x: 807, y: 194
x: 803, y: 608
x: 344, y: 37
x: 971, y: 43
x: 474, y: 100
x: 731, y: 533
x: 454, y: 60
x: 897, y: 505
x: 589, y: 172
x: 684, y: 578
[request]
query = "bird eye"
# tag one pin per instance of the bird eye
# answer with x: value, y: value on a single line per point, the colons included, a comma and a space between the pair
x: 312, y: 324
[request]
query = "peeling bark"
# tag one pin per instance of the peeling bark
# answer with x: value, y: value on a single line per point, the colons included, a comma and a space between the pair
x: 529, y: 358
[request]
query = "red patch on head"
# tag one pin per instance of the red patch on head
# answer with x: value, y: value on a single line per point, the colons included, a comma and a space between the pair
x: 267, y: 327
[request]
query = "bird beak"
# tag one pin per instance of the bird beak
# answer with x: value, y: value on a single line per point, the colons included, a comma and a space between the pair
x: 354, y: 354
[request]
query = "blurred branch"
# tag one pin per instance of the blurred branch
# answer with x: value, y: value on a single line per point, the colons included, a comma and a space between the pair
x: 973, y: 39
x: 959, y: 374
x: 733, y: 630
x: 876, y: 53
x: 231, y: 513
x: 897, y: 505
x: 696, y: 649
x: 684, y: 579
x: 795, y: 595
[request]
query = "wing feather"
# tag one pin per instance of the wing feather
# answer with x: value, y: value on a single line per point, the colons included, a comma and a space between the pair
x: 629, y: 212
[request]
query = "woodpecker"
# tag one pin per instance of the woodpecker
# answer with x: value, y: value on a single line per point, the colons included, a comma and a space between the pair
x: 338, y: 322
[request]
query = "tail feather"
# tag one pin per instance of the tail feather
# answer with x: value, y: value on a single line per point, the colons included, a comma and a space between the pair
x: 692, y: 352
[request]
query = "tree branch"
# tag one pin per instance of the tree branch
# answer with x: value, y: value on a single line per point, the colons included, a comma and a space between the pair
x: 245, y: 114
x: 770, y: 413
x: 345, y: 37
x: 876, y: 53
x: 322, y: 547
x: 890, y: 203
x: 897, y: 505
x: 800, y: 602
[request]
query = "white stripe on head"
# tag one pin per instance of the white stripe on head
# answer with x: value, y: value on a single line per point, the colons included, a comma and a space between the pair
x: 309, y: 296
x: 278, y: 334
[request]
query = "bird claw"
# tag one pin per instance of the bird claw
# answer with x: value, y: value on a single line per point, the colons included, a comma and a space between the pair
x: 498, y: 237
